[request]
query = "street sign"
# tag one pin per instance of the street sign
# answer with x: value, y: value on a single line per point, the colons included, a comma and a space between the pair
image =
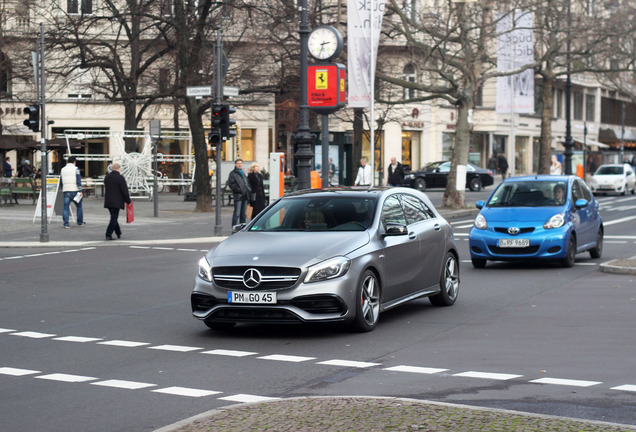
x: 230, y: 91
x: 199, y: 91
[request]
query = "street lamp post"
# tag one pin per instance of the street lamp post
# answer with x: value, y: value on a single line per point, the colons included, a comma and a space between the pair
x: 304, y: 138
x: 568, y: 143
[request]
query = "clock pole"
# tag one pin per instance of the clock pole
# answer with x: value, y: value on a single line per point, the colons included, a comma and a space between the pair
x: 304, y: 138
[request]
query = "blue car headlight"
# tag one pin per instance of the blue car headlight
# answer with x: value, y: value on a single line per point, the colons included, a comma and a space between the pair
x: 480, y: 222
x: 205, y: 271
x: 555, y: 221
x: 329, y: 269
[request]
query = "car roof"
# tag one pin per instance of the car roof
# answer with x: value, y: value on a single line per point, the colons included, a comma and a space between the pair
x: 539, y: 177
x: 358, y: 191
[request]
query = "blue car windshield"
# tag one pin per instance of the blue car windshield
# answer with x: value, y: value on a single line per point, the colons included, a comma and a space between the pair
x: 335, y: 213
x: 529, y: 194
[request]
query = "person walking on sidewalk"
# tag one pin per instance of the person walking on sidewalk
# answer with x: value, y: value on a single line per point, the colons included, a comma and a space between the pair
x: 115, y: 196
x: 71, y: 182
x: 237, y: 182
x: 365, y: 175
x: 502, y: 164
x: 257, y: 194
x: 396, y: 173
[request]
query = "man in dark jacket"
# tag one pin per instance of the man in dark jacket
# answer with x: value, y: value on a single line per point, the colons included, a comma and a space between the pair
x: 396, y: 173
x: 237, y: 182
x: 115, y: 196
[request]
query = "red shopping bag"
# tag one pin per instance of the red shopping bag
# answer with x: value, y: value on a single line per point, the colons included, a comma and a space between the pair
x: 130, y: 212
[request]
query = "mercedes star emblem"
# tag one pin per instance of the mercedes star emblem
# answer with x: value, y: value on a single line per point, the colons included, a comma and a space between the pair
x: 251, y: 278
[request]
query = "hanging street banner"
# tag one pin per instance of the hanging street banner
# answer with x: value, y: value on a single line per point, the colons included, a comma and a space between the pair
x: 515, y: 49
x: 359, y: 48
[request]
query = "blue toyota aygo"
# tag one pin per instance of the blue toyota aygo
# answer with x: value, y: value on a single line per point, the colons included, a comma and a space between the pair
x: 544, y: 217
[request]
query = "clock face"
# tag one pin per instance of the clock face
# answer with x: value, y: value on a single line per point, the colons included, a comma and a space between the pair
x: 324, y: 42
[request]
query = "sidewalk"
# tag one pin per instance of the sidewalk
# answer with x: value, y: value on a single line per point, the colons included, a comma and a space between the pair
x: 371, y: 414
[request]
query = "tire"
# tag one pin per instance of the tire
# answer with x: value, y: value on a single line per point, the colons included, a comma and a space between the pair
x: 634, y: 190
x: 597, y: 251
x: 475, y: 184
x: 419, y: 184
x: 570, y: 254
x: 448, y: 283
x: 367, y: 302
x: 479, y: 263
x: 219, y: 325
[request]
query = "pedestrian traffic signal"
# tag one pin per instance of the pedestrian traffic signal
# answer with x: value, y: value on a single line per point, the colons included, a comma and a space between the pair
x: 227, y: 122
x: 33, y: 122
x: 214, y: 137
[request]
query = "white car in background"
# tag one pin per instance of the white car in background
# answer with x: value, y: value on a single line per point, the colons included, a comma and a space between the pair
x: 615, y: 178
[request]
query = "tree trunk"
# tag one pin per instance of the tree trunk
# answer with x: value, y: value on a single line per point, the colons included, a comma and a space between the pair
x: 454, y: 196
x: 358, y: 133
x: 201, y: 176
x: 545, y: 149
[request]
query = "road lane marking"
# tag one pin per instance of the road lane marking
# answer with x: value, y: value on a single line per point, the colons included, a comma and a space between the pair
x: 415, y: 369
x: 616, y: 221
x: 348, y: 363
x: 184, y: 391
x: 286, y: 358
x: 626, y: 387
x: 34, y: 335
x: 66, y: 378
x: 4, y: 330
x: 122, y: 343
x: 230, y: 353
x: 566, y: 382
x: 77, y: 339
x: 17, y: 372
x: 246, y: 398
x: 128, y: 385
x: 178, y: 348
x: 487, y: 375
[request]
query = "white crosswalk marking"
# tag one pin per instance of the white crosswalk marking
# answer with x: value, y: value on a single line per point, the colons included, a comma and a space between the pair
x: 245, y: 398
x: 348, y: 363
x: 487, y: 375
x: 286, y: 358
x: 230, y: 353
x: 77, y: 339
x: 66, y: 377
x: 129, y: 385
x: 16, y: 372
x: 122, y: 343
x: 415, y: 369
x: 184, y: 391
x: 566, y: 382
x: 178, y: 348
x: 34, y: 335
x: 626, y: 387
x: 4, y: 330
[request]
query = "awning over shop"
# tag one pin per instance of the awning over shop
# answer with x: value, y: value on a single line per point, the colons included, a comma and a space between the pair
x: 590, y: 143
x: 9, y: 143
x: 612, y: 135
x: 56, y: 144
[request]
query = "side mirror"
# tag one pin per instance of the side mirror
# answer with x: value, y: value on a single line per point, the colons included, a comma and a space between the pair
x: 395, y: 229
x: 479, y: 204
x: 580, y: 203
x: 237, y: 228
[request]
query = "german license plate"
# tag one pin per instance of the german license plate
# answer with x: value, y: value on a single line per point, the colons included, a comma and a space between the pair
x: 251, y: 297
x: 513, y: 243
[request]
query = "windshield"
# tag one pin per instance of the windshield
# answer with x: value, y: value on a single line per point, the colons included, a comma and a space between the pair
x: 337, y: 213
x: 529, y: 194
x: 431, y: 166
x: 609, y: 170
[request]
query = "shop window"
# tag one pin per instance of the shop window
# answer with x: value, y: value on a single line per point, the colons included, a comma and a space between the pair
x: 248, y: 137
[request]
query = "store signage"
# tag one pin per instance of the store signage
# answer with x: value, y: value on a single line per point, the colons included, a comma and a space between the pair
x: 326, y: 87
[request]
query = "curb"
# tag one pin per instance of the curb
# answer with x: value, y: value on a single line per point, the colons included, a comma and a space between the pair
x: 35, y: 244
x: 620, y: 266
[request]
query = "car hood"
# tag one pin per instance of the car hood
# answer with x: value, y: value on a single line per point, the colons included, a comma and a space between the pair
x: 520, y: 214
x: 606, y: 179
x: 294, y: 249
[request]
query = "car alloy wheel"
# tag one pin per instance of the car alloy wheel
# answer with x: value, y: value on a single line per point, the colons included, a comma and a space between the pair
x: 449, y: 282
x: 368, y: 302
x: 475, y: 184
x: 420, y: 184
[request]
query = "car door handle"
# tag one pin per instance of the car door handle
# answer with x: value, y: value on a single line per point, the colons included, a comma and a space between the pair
x: 412, y: 235
x: 437, y: 227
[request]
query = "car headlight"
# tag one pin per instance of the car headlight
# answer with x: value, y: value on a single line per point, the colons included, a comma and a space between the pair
x: 205, y: 271
x: 555, y: 221
x: 332, y: 268
x: 409, y: 176
x: 480, y: 222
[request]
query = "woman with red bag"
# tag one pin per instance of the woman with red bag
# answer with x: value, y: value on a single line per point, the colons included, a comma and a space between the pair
x: 115, y: 196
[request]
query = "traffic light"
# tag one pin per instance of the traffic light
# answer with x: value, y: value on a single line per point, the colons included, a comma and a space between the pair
x: 214, y: 137
x: 227, y: 122
x: 33, y: 122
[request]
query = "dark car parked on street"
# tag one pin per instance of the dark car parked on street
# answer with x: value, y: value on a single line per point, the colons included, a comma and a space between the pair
x: 435, y: 175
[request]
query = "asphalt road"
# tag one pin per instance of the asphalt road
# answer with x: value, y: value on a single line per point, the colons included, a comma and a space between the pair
x: 102, y: 339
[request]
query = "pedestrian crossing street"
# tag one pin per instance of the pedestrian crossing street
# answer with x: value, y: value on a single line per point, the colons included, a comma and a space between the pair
x: 15, y: 371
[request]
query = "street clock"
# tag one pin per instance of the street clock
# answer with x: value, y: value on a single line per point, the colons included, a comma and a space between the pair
x: 324, y: 43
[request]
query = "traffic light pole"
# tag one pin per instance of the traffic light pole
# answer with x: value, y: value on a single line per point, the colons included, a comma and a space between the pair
x: 44, y: 235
